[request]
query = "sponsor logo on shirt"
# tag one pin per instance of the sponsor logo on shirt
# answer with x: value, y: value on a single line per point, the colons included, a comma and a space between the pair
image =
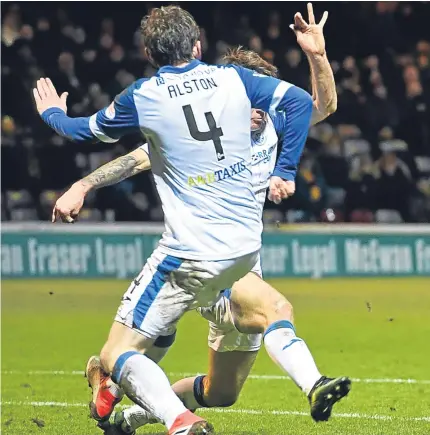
x: 263, y: 156
x: 220, y: 175
x: 258, y: 137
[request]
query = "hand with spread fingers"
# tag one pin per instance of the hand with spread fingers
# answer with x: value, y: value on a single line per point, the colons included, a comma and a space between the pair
x: 310, y: 35
x: 46, y: 96
x: 280, y: 189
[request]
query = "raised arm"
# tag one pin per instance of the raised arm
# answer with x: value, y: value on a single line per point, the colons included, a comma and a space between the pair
x: 70, y: 203
x: 311, y: 39
x: 280, y: 98
x: 107, y: 125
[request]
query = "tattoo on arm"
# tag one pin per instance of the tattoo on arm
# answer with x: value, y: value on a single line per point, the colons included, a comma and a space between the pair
x: 113, y: 172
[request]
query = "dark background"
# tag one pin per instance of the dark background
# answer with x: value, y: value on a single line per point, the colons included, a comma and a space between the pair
x: 370, y: 161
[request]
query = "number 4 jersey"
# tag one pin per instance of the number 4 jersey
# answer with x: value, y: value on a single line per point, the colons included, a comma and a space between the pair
x: 197, y: 121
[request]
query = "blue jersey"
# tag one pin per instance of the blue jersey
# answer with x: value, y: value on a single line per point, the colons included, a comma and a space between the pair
x: 197, y: 122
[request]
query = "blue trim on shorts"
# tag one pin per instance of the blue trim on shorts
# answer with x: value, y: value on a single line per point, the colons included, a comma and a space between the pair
x: 164, y: 341
x: 278, y: 325
x: 117, y: 369
x: 168, y: 265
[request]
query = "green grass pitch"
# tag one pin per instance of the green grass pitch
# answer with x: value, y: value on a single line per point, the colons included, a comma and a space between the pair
x: 374, y: 330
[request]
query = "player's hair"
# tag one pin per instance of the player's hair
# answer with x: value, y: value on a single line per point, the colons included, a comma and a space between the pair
x: 169, y: 35
x: 251, y: 60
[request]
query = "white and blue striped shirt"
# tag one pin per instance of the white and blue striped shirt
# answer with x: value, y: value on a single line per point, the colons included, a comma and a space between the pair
x: 196, y: 119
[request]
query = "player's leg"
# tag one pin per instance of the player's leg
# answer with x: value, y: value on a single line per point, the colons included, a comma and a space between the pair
x: 105, y: 393
x: 151, y: 306
x: 258, y: 308
x: 222, y: 385
x: 208, y: 279
x: 231, y: 357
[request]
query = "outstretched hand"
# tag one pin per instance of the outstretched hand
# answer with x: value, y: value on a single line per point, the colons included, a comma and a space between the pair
x: 310, y: 35
x: 46, y: 96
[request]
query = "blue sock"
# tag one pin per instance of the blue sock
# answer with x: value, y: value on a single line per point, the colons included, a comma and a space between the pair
x: 199, y: 391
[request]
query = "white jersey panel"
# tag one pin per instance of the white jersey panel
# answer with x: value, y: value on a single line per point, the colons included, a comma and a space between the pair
x: 201, y: 160
x: 264, y: 152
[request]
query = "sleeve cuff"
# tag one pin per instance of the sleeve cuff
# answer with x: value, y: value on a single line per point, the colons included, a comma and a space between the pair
x: 285, y: 175
x: 48, y: 112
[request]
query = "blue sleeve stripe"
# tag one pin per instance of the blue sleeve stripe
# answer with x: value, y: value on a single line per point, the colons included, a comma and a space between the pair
x: 97, y: 132
x: 278, y: 95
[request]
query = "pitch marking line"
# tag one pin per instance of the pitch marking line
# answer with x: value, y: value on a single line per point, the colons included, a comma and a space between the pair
x: 234, y: 411
x: 257, y: 377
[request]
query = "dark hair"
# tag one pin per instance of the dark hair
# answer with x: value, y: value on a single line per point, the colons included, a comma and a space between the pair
x: 169, y: 35
x: 251, y: 60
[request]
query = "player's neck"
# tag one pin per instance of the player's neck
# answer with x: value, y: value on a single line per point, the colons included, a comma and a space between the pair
x: 182, y: 64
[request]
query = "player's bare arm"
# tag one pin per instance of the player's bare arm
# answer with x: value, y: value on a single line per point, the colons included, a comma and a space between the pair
x: 117, y: 170
x: 311, y: 39
x: 70, y: 203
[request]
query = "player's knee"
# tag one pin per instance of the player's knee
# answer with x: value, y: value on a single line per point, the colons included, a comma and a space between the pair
x: 215, y: 396
x: 109, y: 356
x: 281, y: 309
x: 160, y: 348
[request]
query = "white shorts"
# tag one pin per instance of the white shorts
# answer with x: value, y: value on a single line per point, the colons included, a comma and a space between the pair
x: 223, y: 335
x: 168, y: 286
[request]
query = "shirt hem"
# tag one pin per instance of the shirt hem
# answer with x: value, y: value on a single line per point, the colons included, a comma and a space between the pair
x: 201, y: 257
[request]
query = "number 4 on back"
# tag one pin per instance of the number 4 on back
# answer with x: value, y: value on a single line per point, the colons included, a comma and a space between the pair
x: 213, y: 134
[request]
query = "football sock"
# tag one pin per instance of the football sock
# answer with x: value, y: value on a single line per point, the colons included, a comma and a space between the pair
x: 189, y: 390
x: 291, y: 354
x: 136, y: 417
x: 146, y: 385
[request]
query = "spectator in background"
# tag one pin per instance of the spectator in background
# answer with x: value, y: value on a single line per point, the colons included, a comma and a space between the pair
x: 333, y: 164
x: 310, y: 188
x: 361, y: 192
x: 394, y: 184
x: 415, y: 121
x: 380, y: 109
x: 67, y: 79
x: 293, y: 68
x: 11, y: 26
x: 381, y: 66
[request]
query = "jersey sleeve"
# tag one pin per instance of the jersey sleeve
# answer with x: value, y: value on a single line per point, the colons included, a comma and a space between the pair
x: 292, y: 128
x: 107, y: 125
x: 290, y: 108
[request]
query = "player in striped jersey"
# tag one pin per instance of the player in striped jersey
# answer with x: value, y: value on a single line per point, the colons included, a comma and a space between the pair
x: 252, y: 307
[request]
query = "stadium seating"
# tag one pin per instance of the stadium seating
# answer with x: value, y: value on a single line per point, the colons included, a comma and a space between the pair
x: 376, y: 145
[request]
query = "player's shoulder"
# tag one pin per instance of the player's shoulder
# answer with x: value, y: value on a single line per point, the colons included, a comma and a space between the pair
x: 131, y: 89
x: 238, y: 69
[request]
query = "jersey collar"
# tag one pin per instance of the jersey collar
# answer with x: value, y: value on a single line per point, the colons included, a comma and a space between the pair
x: 178, y: 70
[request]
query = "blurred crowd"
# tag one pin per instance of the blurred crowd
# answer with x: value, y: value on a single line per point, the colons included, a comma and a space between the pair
x: 369, y: 162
